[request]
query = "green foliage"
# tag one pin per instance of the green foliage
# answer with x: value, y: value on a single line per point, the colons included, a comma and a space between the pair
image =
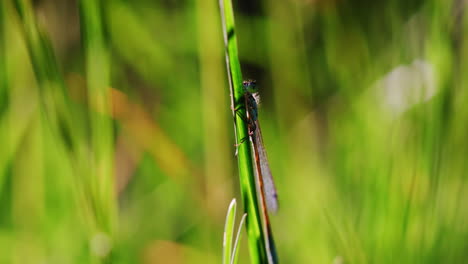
x: 244, y: 154
x: 116, y: 138
x: 230, y: 252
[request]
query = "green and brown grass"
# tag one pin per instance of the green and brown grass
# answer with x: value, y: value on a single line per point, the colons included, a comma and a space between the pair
x: 116, y: 140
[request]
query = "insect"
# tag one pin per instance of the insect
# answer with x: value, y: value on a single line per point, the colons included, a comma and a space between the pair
x: 265, y: 185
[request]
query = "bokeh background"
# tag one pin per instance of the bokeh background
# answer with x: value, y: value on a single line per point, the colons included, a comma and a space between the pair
x: 117, y: 141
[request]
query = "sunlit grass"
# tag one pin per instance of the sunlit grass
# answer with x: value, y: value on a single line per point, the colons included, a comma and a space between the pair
x: 256, y: 230
x: 231, y: 239
x: 116, y: 141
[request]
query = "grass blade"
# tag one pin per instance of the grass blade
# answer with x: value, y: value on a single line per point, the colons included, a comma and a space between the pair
x: 246, y: 172
x: 102, y: 138
x: 3, y: 92
x: 3, y: 70
x: 53, y: 92
x: 235, y: 250
x: 229, y: 231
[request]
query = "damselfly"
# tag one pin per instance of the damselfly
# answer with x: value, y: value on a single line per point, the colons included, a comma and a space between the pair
x: 266, y: 187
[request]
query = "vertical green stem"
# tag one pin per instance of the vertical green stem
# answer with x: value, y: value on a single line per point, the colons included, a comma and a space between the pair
x: 55, y: 102
x: 97, y: 79
x: 4, y: 96
x: 246, y: 172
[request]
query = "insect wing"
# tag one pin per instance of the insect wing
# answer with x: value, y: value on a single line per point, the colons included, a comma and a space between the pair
x: 269, y: 188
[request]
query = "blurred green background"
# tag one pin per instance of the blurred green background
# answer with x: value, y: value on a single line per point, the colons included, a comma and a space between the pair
x: 117, y: 145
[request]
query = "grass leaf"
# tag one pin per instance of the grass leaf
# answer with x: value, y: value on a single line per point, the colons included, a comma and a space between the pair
x: 229, y: 231
x: 235, y: 250
x: 244, y: 156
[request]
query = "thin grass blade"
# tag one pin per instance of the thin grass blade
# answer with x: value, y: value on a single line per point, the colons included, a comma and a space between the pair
x: 254, y: 227
x: 235, y: 251
x: 229, y: 231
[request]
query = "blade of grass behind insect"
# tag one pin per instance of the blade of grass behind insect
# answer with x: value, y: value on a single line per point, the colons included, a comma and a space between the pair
x: 3, y: 71
x: 57, y: 107
x: 246, y: 172
x: 97, y: 76
x: 229, y: 231
x: 63, y: 119
x: 3, y: 92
